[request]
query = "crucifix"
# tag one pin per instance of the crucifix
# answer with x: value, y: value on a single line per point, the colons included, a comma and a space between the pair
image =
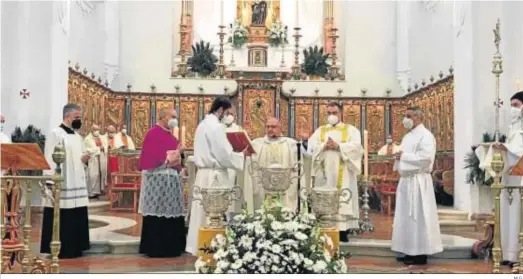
x: 497, y: 70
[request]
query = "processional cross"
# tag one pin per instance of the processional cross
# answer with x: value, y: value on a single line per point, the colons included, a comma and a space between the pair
x: 497, y: 70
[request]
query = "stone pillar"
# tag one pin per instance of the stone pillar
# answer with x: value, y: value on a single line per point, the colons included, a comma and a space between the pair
x: 403, y: 71
x: 112, y: 41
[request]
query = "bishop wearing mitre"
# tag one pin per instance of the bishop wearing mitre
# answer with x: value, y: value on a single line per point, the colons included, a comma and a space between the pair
x: 96, y: 167
x: 124, y: 140
x: 336, y: 161
x: 271, y: 150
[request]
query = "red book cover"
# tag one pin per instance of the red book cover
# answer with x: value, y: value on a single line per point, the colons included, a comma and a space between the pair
x: 240, y: 141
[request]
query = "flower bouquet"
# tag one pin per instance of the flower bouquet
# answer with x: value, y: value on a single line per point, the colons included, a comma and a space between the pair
x: 278, y: 34
x: 238, y: 34
x: 274, y: 241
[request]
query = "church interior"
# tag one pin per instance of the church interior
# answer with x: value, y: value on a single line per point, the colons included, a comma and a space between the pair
x: 123, y: 62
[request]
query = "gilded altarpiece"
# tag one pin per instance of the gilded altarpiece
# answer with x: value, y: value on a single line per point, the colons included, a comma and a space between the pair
x: 260, y: 106
x: 284, y: 116
x: 375, y: 125
x: 397, y: 113
x: 140, y: 118
x: 352, y: 113
x: 115, y: 110
x: 303, y: 118
x: 189, y: 118
x: 164, y: 102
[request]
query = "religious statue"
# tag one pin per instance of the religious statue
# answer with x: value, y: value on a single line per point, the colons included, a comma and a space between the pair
x: 259, y: 13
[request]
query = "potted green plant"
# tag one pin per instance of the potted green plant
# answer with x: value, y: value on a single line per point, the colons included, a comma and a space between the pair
x: 30, y: 135
x: 203, y: 61
x: 315, y: 62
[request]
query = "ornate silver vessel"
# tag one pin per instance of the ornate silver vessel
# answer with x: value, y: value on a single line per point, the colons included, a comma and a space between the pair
x: 325, y: 203
x: 275, y: 179
x: 215, y: 202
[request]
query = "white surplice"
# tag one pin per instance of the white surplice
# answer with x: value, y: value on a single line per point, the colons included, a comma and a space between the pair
x: 339, y: 168
x: 119, y: 141
x: 416, y: 227
x: 235, y: 176
x: 280, y: 151
x: 96, y: 168
x: 510, y: 211
x: 74, y: 188
x: 213, y: 155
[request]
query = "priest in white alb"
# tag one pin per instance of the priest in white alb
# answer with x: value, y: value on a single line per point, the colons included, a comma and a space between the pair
x: 511, y: 151
x: 272, y: 150
x: 96, y: 168
x: 122, y: 139
x: 213, y: 155
x: 236, y: 177
x: 415, y: 231
x: 336, y: 161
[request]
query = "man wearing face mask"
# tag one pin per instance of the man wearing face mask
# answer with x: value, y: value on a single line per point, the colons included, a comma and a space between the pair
x: 74, y: 224
x: 161, y: 194
x: 97, y: 164
x: 416, y: 231
x: 336, y: 161
x: 272, y: 150
x: 3, y: 137
x: 389, y: 148
x: 112, y: 146
x: 124, y: 140
x: 213, y: 155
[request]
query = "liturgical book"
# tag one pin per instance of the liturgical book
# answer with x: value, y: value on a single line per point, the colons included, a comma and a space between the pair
x: 239, y: 141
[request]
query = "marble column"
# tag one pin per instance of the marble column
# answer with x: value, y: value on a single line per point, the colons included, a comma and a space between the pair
x: 403, y: 71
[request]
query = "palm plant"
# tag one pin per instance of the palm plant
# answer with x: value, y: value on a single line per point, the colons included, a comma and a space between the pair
x: 475, y: 174
x: 315, y: 62
x: 30, y: 135
x: 202, y: 61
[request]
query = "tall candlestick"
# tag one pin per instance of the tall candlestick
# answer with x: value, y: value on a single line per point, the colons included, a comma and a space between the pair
x: 221, y: 12
x: 297, y: 23
x: 518, y: 85
x: 366, y: 153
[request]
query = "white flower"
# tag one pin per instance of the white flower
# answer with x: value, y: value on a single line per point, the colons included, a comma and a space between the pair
x: 237, y: 264
x: 308, y: 263
x: 300, y: 236
x: 246, y: 242
x: 319, y: 266
x: 223, y: 264
x: 201, y: 265
x: 276, y: 226
x: 276, y: 249
x: 218, y: 270
x: 220, y: 239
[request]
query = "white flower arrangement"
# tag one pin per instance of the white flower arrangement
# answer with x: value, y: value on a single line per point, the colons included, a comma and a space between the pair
x: 275, y: 241
x: 278, y: 34
x: 238, y: 34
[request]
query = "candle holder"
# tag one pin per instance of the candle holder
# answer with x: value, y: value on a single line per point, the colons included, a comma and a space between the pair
x: 296, y: 68
x: 221, y: 64
x: 365, y: 222
x: 334, y: 69
x: 182, y: 66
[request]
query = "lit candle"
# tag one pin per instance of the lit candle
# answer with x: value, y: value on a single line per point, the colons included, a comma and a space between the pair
x: 518, y: 83
x: 221, y: 12
x: 297, y: 15
x: 366, y: 153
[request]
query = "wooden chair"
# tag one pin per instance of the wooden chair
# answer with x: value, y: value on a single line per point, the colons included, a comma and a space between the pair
x: 124, y: 189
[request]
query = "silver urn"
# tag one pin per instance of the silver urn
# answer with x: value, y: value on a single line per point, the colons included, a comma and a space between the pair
x: 215, y: 202
x: 325, y: 203
x: 275, y: 179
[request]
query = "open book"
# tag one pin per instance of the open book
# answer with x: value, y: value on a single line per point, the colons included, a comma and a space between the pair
x: 239, y: 141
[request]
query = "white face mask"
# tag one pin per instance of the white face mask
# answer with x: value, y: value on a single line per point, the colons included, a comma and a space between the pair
x: 124, y: 131
x: 515, y: 114
x: 332, y: 119
x: 389, y: 141
x: 96, y: 133
x: 173, y: 123
x: 227, y: 120
x: 408, y: 123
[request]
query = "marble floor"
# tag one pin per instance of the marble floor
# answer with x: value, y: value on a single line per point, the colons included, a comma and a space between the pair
x: 118, y: 228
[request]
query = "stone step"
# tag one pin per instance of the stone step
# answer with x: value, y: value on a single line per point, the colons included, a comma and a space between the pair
x: 452, y: 214
x: 453, y: 226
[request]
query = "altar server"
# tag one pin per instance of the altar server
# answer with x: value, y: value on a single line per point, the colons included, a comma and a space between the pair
x: 97, y: 164
x: 416, y: 230
x: 336, y: 160
x: 234, y: 176
x: 161, y: 193
x: 273, y: 149
x: 123, y: 139
x: 213, y: 155
x: 74, y: 224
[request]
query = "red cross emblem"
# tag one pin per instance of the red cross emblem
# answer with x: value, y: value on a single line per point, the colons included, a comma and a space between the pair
x: 25, y: 93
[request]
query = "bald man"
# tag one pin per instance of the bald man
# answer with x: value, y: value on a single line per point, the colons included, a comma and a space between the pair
x: 3, y: 137
x: 96, y: 167
x: 124, y: 140
x: 272, y: 150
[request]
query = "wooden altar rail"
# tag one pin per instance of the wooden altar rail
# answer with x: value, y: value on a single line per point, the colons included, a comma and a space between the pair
x: 256, y: 100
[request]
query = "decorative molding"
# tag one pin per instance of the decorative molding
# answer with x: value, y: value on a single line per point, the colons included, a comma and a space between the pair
x: 86, y: 6
x: 430, y: 5
x: 64, y: 15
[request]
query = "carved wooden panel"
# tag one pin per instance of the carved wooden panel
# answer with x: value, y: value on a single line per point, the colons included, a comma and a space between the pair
x: 164, y: 102
x: 93, y: 108
x: 189, y: 119
x: 255, y: 115
x: 322, y: 112
x: 397, y: 113
x: 448, y: 117
x: 303, y: 118
x: 376, y: 126
x: 352, y: 114
x: 140, y: 119
x: 207, y: 103
x: 284, y: 116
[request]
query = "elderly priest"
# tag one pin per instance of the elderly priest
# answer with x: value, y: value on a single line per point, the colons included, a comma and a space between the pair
x: 161, y: 194
x: 74, y: 223
x: 416, y: 232
x: 336, y: 161
x: 273, y: 149
x: 96, y: 168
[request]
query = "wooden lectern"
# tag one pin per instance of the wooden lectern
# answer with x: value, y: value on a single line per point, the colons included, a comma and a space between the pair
x: 16, y: 157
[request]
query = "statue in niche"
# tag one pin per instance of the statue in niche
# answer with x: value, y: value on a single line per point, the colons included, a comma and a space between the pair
x: 259, y: 13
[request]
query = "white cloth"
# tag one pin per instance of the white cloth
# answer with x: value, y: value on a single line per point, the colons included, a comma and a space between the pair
x: 96, y: 168
x: 326, y: 166
x: 119, y: 142
x: 384, y: 149
x: 281, y: 151
x: 510, y: 211
x: 234, y: 175
x: 416, y: 227
x: 213, y: 155
x: 74, y: 187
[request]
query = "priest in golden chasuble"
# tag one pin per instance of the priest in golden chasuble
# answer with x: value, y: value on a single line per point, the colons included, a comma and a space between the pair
x: 336, y: 162
x: 123, y: 139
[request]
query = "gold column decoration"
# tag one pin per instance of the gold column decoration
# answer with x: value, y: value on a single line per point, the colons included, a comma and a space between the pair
x: 59, y: 159
x: 296, y: 69
x: 221, y: 64
x: 334, y: 69
x: 182, y: 67
x: 497, y: 161
x: 27, y: 228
